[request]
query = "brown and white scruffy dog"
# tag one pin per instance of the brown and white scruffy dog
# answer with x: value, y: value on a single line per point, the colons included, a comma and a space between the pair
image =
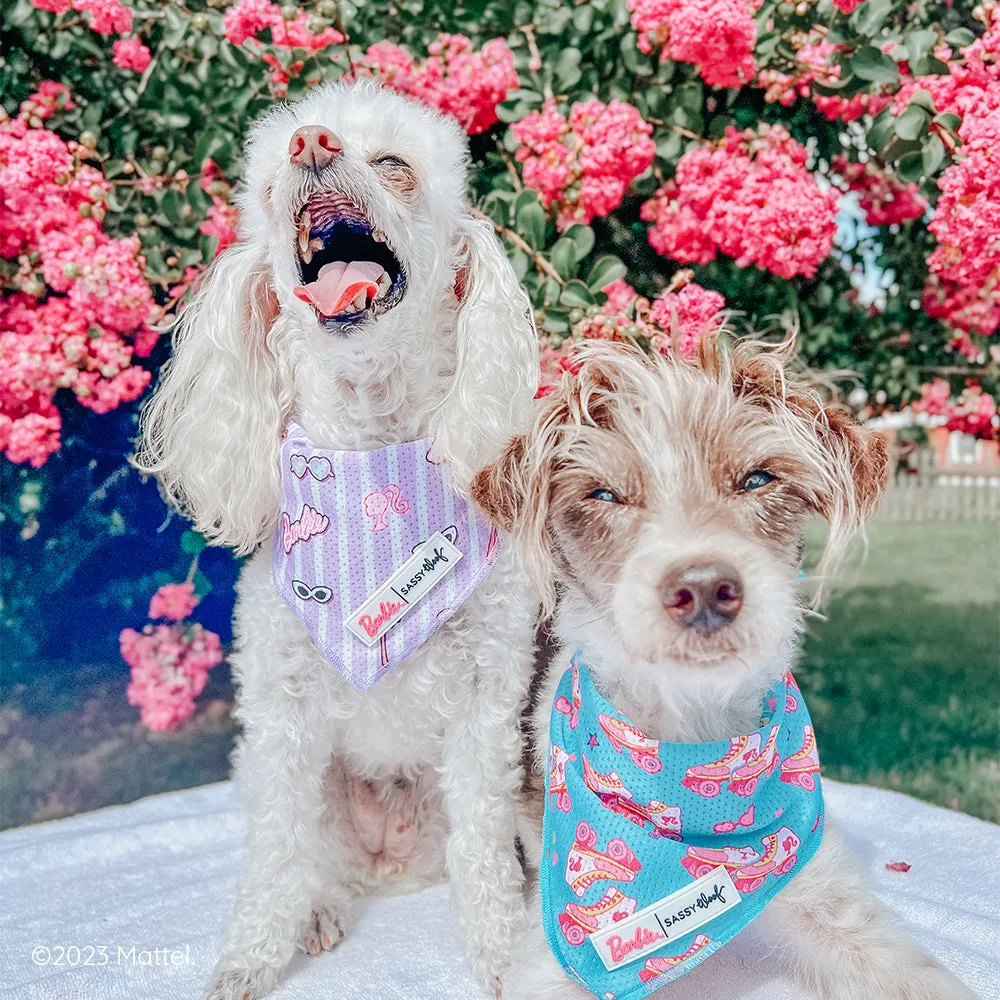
x: 664, y: 502
x: 443, y: 347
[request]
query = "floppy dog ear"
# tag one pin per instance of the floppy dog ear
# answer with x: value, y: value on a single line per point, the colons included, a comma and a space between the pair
x: 514, y: 491
x: 496, y: 363
x: 211, y: 431
x: 857, y: 473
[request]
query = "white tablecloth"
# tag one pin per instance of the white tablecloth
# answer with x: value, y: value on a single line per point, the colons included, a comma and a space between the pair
x: 160, y: 875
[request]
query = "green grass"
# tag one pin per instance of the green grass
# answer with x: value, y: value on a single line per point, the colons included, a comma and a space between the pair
x: 903, y: 676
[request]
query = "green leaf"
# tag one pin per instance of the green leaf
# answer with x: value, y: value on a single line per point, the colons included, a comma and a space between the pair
x: 924, y: 99
x: 605, y: 270
x: 577, y: 294
x: 933, y: 156
x: 568, y: 68
x: 960, y: 38
x: 563, y: 257
x: 912, y: 122
x: 556, y: 320
x: 947, y: 120
x: 583, y: 237
x: 882, y: 130
x: 531, y: 224
x: 873, y: 65
x: 172, y: 206
x: 920, y: 42
x: 202, y: 584
x: 910, y: 167
x: 869, y: 17
x: 193, y: 542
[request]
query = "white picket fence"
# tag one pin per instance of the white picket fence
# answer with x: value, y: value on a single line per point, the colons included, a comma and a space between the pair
x: 961, y: 485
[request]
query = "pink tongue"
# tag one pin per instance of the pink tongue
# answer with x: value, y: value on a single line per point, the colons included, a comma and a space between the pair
x: 338, y: 285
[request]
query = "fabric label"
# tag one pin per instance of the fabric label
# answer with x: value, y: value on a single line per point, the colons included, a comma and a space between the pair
x: 672, y: 917
x: 430, y: 563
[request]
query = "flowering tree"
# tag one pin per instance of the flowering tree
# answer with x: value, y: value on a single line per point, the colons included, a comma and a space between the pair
x: 833, y: 164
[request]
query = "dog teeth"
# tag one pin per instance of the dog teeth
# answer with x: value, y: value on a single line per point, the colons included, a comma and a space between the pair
x: 383, y: 285
x: 378, y: 236
x: 305, y: 224
x: 361, y: 301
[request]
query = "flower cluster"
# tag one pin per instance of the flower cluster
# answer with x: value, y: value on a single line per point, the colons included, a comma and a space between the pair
x: 813, y: 64
x: 455, y: 78
x: 585, y: 163
x: 963, y: 287
x: 78, y: 303
x: 246, y: 19
x: 974, y: 412
x: 678, y: 318
x: 749, y: 196
x: 130, y: 53
x: 718, y: 36
x: 884, y: 200
x: 169, y: 663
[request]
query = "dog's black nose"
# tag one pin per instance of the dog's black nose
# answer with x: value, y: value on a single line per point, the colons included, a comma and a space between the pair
x: 703, y: 595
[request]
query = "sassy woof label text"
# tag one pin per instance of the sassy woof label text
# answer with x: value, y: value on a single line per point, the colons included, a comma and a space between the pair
x: 671, y: 918
x: 426, y: 568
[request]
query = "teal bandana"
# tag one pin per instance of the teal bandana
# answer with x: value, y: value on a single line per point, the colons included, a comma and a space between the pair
x: 657, y: 854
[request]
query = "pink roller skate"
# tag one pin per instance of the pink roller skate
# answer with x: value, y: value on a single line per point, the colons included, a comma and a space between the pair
x: 664, y: 963
x: 708, y: 779
x: 577, y: 922
x: 558, y: 759
x: 609, y: 788
x: 587, y: 865
x: 702, y: 860
x: 571, y: 710
x: 779, y: 858
x: 623, y: 736
x: 745, y: 778
x: 803, y: 765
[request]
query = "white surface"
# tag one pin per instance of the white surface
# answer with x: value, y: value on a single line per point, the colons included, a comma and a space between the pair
x: 161, y: 874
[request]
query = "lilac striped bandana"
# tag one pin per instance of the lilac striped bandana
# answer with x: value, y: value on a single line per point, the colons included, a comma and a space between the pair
x: 374, y: 550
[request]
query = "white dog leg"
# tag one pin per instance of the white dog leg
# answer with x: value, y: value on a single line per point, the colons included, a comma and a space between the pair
x: 843, y: 944
x: 280, y: 768
x: 480, y: 779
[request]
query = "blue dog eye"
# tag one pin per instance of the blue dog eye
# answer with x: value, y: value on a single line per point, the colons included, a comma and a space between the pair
x: 757, y: 479
x: 606, y: 495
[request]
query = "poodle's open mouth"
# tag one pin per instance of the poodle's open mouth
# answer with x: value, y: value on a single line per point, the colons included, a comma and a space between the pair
x: 347, y: 267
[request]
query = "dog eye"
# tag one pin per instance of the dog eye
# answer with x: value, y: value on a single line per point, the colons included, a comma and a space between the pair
x: 390, y: 161
x: 605, y: 495
x: 756, y: 480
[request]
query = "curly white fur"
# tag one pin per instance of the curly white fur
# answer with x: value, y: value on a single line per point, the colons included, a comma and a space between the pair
x: 454, y: 359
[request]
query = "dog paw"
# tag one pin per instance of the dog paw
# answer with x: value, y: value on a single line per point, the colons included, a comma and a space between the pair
x: 240, y: 984
x: 324, y: 930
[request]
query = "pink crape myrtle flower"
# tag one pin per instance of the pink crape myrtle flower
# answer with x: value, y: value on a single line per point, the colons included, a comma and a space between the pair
x: 455, y: 78
x: 814, y: 64
x: 847, y: 6
x: 679, y: 317
x: 77, y: 302
x: 718, y: 36
x: 246, y: 19
x: 963, y: 285
x: 749, y: 196
x: 169, y: 667
x: 585, y: 163
x: 174, y: 601
x: 933, y: 398
x: 884, y: 200
x: 130, y: 53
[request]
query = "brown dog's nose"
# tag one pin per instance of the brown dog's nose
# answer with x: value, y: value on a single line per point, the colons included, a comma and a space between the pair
x: 314, y: 146
x: 703, y: 595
